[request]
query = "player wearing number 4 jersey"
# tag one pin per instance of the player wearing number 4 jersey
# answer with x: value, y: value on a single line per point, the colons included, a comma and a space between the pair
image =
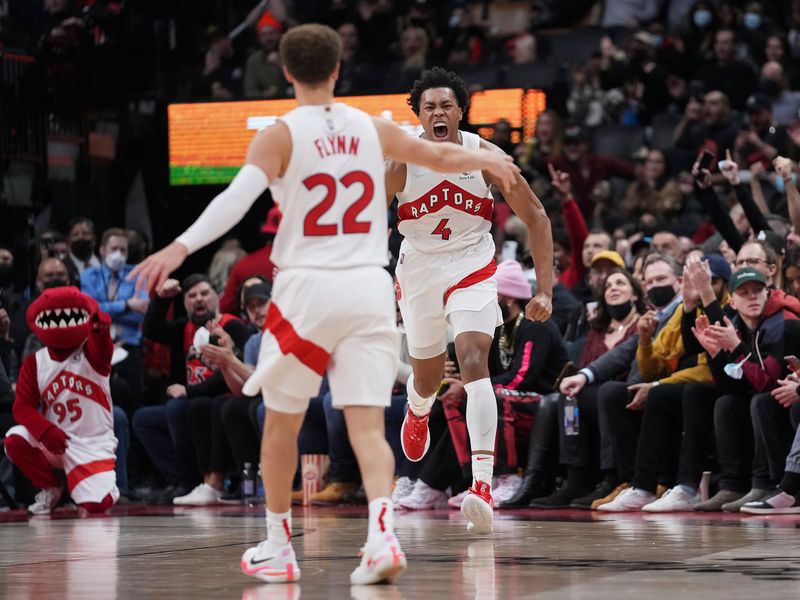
x: 445, y: 274
x: 332, y: 306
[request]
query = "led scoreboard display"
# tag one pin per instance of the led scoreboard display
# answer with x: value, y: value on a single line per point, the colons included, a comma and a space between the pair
x: 208, y: 141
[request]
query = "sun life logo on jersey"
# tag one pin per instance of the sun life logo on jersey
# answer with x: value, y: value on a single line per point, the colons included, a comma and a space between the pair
x: 329, y: 124
x: 465, y: 176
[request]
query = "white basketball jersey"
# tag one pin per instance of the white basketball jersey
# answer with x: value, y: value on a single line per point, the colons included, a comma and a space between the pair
x: 74, y: 396
x: 445, y: 212
x: 332, y: 195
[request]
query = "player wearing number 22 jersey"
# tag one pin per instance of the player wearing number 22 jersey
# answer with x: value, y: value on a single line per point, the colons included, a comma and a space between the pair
x: 332, y: 309
x: 445, y: 277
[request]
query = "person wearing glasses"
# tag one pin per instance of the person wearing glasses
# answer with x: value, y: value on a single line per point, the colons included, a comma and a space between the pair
x: 746, y: 358
x: 761, y: 256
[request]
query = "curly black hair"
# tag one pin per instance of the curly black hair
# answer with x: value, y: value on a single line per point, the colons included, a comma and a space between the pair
x: 437, y: 77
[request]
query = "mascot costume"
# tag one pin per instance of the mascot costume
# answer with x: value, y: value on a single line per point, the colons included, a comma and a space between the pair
x: 63, y: 404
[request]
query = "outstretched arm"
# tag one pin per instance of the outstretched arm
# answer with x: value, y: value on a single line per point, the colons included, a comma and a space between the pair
x: 784, y: 168
x: 267, y: 157
x: 444, y: 157
x: 99, y: 346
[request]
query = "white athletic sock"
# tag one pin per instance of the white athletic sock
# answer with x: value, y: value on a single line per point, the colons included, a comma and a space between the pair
x: 419, y: 406
x: 381, y: 518
x: 482, y: 427
x: 279, y: 528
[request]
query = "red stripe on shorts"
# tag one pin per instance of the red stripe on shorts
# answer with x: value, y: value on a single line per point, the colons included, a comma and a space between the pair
x: 81, y: 472
x: 473, y: 278
x: 307, y: 352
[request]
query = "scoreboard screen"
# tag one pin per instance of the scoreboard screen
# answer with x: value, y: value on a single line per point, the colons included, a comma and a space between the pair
x: 208, y: 141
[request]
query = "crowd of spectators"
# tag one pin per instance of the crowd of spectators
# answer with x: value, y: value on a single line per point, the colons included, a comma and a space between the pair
x: 669, y: 172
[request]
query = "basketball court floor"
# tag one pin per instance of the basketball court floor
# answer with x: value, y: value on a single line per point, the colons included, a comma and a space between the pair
x: 141, y: 553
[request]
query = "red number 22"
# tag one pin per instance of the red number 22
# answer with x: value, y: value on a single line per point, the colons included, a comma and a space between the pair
x: 350, y: 222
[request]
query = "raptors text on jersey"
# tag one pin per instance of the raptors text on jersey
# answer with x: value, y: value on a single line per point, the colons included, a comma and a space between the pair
x: 445, y: 212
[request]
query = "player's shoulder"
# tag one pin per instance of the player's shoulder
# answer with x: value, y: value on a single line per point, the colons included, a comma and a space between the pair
x: 487, y: 145
x: 277, y: 132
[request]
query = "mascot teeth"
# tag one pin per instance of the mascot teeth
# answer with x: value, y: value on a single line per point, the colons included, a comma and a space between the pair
x: 62, y: 316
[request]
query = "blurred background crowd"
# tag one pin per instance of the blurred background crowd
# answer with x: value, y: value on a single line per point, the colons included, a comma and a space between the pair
x: 666, y: 160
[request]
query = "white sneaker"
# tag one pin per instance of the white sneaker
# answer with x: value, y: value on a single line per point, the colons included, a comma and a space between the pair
x: 455, y: 501
x: 272, y: 564
x: 674, y: 500
x: 403, y: 488
x: 478, y: 508
x: 505, y: 486
x: 45, y: 501
x: 629, y: 500
x: 424, y: 497
x: 381, y: 561
x: 202, y: 495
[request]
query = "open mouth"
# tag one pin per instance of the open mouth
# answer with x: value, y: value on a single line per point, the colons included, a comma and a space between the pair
x: 61, y: 318
x: 440, y: 130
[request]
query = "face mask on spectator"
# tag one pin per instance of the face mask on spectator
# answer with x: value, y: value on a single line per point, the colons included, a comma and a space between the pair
x: 658, y: 40
x: 752, y: 20
x: 661, y: 296
x: 5, y: 273
x: 115, y: 260
x: 702, y: 18
x: 770, y: 87
x: 82, y: 248
x: 618, y: 312
x: 55, y: 283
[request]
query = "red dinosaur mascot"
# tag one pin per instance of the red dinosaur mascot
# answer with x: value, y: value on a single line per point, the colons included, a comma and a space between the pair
x: 63, y: 404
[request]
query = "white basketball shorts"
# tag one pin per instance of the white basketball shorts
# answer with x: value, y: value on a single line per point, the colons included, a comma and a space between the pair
x: 340, y: 321
x: 430, y: 287
x: 88, y: 463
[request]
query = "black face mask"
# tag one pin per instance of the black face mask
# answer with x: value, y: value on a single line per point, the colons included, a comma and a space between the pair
x: 82, y: 248
x: 5, y: 274
x: 770, y: 87
x: 618, y: 312
x: 661, y: 296
x: 53, y: 283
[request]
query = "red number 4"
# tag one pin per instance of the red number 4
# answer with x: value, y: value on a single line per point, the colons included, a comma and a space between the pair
x: 442, y: 230
x: 350, y: 222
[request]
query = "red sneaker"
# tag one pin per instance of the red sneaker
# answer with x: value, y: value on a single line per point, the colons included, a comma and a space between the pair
x: 414, y: 436
x: 478, y: 508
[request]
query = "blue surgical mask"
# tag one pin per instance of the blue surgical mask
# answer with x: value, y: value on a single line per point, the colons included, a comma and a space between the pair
x: 780, y: 186
x: 702, y: 18
x: 658, y: 40
x: 752, y: 20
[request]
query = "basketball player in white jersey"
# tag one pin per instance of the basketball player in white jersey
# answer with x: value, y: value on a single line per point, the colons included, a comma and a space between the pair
x: 332, y: 307
x: 445, y: 274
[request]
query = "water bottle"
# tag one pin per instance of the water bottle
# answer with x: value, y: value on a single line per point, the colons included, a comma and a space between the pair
x: 571, y: 416
x: 248, y: 483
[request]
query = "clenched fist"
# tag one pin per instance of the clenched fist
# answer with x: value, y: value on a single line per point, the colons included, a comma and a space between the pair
x: 55, y: 440
x: 539, y: 308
